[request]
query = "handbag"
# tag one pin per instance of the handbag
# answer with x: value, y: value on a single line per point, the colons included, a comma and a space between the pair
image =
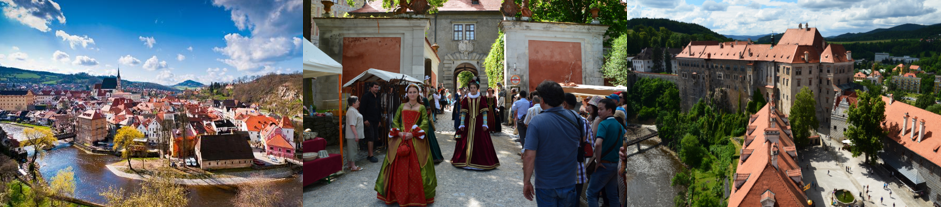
x: 590, y: 168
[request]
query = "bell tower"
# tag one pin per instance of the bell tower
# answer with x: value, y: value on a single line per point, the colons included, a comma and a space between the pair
x: 118, y: 86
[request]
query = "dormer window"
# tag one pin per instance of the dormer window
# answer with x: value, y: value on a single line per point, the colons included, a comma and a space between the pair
x: 475, y: 1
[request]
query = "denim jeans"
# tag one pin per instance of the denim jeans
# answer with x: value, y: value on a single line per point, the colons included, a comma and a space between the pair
x: 558, y: 197
x: 603, y: 179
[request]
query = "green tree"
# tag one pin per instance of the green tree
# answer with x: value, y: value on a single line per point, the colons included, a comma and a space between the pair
x: 667, y: 63
x: 41, y: 139
x: 925, y: 100
x: 657, y: 59
x: 616, y: 66
x: 611, y: 13
x: 463, y: 77
x: 494, y: 62
x: 934, y: 108
x: 124, y: 140
x: 669, y: 101
x: 389, y: 4
x: 63, y: 185
x: 873, y: 88
x: 756, y: 103
x: 803, y: 116
x: 692, y: 152
x: 865, y: 130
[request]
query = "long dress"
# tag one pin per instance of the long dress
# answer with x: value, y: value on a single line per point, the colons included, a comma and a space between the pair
x: 491, y: 114
x: 474, y: 148
x: 407, y: 176
x: 432, y: 139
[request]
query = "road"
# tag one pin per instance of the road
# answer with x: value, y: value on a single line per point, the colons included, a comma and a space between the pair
x: 456, y: 187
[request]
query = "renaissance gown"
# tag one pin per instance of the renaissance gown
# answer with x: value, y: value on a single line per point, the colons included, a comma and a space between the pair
x: 474, y: 148
x: 407, y: 176
x: 430, y: 135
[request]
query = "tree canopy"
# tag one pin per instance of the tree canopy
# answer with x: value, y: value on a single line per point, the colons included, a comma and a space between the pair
x: 124, y: 140
x: 803, y: 116
x: 463, y: 77
x: 611, y: 13
x: 865, y: 130
x: 617, y: 67
x: 494, y: 62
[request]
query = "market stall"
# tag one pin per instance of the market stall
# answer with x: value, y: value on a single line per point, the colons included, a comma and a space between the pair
x: 391, y: 93
x: 318, y: 64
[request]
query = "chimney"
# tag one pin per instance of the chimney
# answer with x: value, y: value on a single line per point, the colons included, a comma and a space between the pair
x: 921, y: 132
x: 806, y: 26
x: 774, y: 156
x: 904, y: 122
x: 912, y: 134
x: 806, y: 56
x: 891, y: 99
x: 849, y: 55
x: 800, y: 25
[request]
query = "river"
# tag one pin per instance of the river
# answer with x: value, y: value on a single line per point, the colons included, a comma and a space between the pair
x: 93, y: 178
x: 649, y: 174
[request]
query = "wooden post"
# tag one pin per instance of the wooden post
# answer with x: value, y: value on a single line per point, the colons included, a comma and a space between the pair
x: 340, y: 101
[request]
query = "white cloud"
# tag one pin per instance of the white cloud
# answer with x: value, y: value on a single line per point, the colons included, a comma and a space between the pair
x: 149, y: 41
x: 190, y: 48
x: 18, y: 56
x: 60, y: 56
x: 265, y: 18
x: 248, y: 53
x: 16, y: 48
x: 74, y: 40
x: 34, y: 13
x: 216, y: 75
x: 129, y: 60
x: 84, y: 60
x: 153, y: 64
x: 661, y: 4
x: 180, y: 57
x: 710, y: 5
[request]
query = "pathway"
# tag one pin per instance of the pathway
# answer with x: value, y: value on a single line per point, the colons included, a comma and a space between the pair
x: 456, y: 187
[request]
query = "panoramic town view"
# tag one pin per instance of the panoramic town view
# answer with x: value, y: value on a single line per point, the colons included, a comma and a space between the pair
x: 622, y: 103
x: 150, y: 103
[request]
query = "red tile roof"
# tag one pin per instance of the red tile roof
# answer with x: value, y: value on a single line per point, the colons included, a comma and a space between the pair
x: 859, y: 75
x: 791, y: 49
x: 279, y: 141
x: 757, y: 174
x: 286, y: 123
x: 258, y: 123
x: 894, y: 122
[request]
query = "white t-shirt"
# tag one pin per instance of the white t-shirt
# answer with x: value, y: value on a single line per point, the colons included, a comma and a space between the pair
x: 354, y: 118
x: 437, y: 100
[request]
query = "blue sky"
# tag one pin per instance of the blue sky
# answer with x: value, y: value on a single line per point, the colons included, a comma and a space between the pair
x: 758, y: 17
x: 164, y: 42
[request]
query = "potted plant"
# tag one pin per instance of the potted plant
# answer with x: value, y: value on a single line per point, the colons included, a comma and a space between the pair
x: 594, y: 8
x: 525, y: 13
x: 509, y: 9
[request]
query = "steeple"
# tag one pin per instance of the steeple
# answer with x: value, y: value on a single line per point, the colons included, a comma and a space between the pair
x: 118, y: 86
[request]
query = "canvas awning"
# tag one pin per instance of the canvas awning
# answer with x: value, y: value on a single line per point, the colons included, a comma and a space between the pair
x: 375, y: 74
x: 317, y: 63
x: 907, y: 170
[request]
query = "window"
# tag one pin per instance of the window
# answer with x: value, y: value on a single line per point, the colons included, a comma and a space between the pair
x: 810, y: 70
x: 458, y: 32
x: 470, y: 32
x: 810, y: 82
x: 475, y: 2
x: 798, y: 82
x: 797, y: 71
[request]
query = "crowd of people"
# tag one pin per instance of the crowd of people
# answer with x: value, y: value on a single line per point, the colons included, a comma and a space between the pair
x: 567, y: 147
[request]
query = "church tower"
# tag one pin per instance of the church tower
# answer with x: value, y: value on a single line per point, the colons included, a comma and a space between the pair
x: 118, y: 87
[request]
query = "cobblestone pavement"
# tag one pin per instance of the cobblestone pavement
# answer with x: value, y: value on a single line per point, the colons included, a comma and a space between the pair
x: 456, y: 187
x: 827, y: 167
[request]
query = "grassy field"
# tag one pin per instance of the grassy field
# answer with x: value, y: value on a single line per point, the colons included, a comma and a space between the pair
x: 26, y: 75
x: 868, y: 41
x: 50, y: 82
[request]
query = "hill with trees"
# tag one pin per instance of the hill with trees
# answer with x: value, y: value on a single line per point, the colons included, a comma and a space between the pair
x: 17, y: 76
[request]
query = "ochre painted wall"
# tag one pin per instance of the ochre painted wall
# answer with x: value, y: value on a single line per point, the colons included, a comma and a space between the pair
x: 554, y: 61
x: 362, y: 53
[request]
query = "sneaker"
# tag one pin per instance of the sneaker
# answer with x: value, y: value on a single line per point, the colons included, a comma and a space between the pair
x: 372, y: 159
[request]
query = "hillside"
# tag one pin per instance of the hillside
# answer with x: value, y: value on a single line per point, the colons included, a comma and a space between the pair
x: 905, y: 31
x: 188, y: 84
x: 675, y: 26
x: 746, y: 37
x: 278, y: 93
x: 80, y: 81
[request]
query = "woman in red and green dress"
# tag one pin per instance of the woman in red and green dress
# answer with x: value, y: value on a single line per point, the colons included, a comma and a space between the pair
x: 407, y: 176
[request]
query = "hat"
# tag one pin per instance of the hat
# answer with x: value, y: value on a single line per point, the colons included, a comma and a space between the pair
x: 427, y: 77
x: 619, y: 113
x: 595, y: 100
x: 614, y: 97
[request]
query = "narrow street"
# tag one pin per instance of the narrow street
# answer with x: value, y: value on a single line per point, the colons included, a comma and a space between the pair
x: 456, y: 187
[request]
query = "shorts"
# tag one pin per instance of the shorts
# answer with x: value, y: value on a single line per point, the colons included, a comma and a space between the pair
x: 370, y: 132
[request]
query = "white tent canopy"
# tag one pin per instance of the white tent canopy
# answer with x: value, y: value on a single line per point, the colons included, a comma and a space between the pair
x: 317, y: 63
x: 375, y: 74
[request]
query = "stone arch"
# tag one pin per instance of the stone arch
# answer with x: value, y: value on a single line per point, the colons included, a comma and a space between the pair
x: 451, y: 62
x: 461, y: 68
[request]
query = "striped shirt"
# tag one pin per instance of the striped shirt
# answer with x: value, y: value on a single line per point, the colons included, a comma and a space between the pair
x: 580, y: 175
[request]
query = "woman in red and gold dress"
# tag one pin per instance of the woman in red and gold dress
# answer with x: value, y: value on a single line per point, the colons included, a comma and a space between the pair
x: 407, y: 176
x: 474, y: 149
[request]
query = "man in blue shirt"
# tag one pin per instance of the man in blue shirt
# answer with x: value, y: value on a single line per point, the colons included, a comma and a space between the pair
x: 550, y: 150
x: 520, y: 107
x: 608, y: 137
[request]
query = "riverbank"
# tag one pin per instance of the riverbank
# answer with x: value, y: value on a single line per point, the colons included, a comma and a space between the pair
x: 259, y: 176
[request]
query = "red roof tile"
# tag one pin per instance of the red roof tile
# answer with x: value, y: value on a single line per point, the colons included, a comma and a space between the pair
x: 763, y: 174
x: 894, y: 122
x: 279, y: 141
